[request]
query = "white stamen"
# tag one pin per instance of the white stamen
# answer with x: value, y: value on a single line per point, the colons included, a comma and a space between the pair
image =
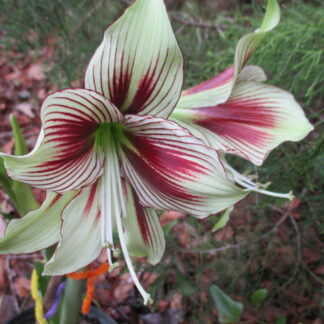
x: 107, y: 203
x: 147, y: 298
x: 109, y: 178
x: 103, y: 213
x: 114, y: 205
x: 249, y: 184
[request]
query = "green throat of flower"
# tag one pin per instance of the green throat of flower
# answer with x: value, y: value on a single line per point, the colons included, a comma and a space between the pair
x: 111, y: 135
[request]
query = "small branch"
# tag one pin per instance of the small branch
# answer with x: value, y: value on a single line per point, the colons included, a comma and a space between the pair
x: 318, y: 279
x: 298, y: 257
x: 239, y: 245
x: 86, y: 18
x: 195, y: 23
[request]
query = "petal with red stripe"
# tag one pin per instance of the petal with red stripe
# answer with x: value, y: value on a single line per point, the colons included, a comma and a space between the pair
x: 143, y: 231
x: 139, y: 65
x: 255, y: 120
x: 80, y: 240
x: 39, y: 228
x: 171, y: 169
x: 65, y: 156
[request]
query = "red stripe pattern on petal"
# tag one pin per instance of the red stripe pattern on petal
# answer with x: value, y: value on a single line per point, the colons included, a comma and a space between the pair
x: 171, y: 169
x: 80, y: 234
x: 67, y: 158
x: 144, y: 234
x: 256, y: 118
x: 139, y: 65
x: 219, y: 80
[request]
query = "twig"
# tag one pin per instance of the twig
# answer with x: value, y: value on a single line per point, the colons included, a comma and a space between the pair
x: 318, y: 279
x: 298, y: 259
x: 195, y: 23
x: 238, y: 245
x: 86, y: 17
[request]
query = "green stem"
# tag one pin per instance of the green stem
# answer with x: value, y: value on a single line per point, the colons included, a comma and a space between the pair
x: 72, y: 301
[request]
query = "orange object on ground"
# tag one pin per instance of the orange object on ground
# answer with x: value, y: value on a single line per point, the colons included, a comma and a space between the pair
x: 90, y: 276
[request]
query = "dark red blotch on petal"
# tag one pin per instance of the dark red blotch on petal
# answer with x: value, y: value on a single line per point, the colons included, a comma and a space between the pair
x: 214, y: 82
x: 120, y: 82
x: 91, y: 198
x: 141, y: 219
x: 163, y: 167
x: 237, y: 119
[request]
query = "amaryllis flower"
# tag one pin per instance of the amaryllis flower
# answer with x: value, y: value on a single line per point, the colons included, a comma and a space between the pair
x: 108, y: 157
x: 235, y: 112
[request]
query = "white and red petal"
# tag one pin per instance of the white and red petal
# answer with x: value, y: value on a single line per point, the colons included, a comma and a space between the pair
x: 65, y: 157
x: 39, y: 229
x: 255, y: 120
x: 171, y: 169
x: 143, y: 231
x: 218, y: 89
x: 211, y: 92
x: 139, y: 65
x: 80, y: 242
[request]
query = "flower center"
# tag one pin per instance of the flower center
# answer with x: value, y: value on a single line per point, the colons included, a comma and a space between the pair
x: 111, y: 134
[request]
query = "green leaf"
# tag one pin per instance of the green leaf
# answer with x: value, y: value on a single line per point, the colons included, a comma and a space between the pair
x: 25, y: 198
x: 281, y: 320
x: 168, y: 228
x: 229, y: 310
x: 20, y: 143
x: 223, y: 220
x: 258, y: 296
x: 6, y: 184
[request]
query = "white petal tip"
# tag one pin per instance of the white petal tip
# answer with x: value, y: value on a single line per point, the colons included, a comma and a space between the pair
x: 116, y: 253
x: 148, y: 299
x: 113, y: 266
x: 290, y: 196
